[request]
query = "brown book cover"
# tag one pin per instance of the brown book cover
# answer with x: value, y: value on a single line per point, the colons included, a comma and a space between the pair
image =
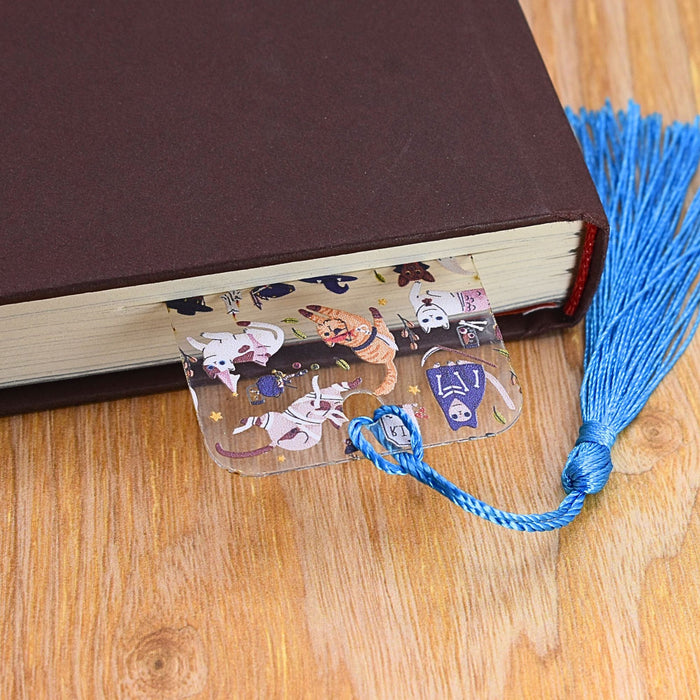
x: 144, y: 142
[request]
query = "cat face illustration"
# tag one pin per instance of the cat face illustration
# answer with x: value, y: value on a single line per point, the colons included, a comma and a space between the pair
x: 333, y: 331
x: 214, y: 363
x: 459, y: 412
x: 432, y: 316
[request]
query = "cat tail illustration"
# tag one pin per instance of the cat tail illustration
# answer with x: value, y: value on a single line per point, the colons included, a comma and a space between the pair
x: 243, y: 455
x: 389, y: 380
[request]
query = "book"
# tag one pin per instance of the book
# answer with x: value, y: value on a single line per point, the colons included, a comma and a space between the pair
x: 166, y: 150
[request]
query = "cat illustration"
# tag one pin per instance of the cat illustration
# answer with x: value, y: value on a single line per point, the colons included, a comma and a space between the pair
x: 257, y: 343
x: 300, y: 425
x: 371, y: 342
x: 434, y: 308
x: 459, y: 389
x: 412, y: 272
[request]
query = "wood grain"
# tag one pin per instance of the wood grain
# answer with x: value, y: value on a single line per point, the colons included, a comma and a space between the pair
x: 132, y: 567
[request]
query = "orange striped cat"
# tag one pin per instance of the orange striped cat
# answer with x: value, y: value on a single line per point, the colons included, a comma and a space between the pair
x: 371, y: 342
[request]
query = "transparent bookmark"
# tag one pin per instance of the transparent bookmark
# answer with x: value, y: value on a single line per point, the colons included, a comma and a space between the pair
x: 276, y: 371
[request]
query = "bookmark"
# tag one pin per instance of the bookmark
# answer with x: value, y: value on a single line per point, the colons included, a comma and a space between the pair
x: 277, y: 371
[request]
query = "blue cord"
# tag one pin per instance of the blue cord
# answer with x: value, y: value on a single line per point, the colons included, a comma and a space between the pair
x: 642, y: 318
x: 412, y: 464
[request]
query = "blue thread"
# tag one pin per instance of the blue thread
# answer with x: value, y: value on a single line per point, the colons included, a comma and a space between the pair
x: 412, y: 464
x: 642, y: 318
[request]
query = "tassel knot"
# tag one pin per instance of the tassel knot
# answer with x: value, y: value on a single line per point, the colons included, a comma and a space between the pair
x: 588, y: 467
x: 597, y: 433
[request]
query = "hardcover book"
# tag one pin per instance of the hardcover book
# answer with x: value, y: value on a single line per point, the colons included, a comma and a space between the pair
x: 156, y: 151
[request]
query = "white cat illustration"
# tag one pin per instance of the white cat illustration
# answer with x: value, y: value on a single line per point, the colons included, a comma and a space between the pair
x: 257, y: 343
x: 434, y: 308
x: 300, y: 426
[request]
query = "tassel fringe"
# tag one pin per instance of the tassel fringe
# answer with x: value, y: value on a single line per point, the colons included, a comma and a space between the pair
x: 642, y: 318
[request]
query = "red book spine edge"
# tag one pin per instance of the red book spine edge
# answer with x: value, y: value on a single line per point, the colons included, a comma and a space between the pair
x: 583, y: 270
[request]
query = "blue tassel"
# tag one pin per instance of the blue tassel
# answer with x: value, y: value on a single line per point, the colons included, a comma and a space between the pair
x: 651, y: 279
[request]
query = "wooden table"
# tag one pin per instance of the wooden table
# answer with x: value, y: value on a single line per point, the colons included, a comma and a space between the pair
x: 133, y: 567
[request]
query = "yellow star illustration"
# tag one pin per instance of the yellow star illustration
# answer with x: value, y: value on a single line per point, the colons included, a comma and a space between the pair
x: 281, y: 458
x: 414, y: 389
x: 381, y: 302
x: 215, y: 416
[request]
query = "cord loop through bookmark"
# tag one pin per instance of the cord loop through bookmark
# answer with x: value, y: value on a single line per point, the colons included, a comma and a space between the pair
x: 405, y: 461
